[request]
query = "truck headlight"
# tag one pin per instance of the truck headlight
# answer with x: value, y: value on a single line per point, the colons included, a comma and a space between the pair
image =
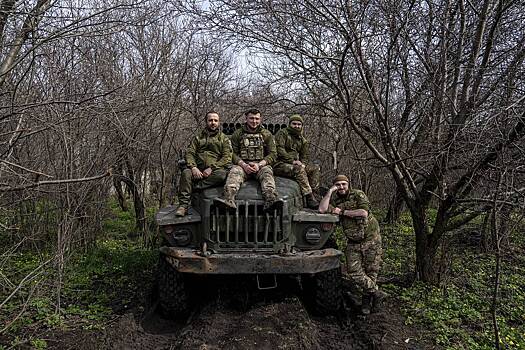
x: 182, y: 236
x: 312, y: 235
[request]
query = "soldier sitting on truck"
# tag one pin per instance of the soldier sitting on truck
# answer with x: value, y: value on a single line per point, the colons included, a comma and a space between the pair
x: 207, y: 157
x: 292, y: 159
x: 363, y: 252
x: 254, y: 152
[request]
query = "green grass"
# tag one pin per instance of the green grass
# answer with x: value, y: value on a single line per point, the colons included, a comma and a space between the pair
x: 118, y: 224
x: 458, y: 314
x: 114, y: 276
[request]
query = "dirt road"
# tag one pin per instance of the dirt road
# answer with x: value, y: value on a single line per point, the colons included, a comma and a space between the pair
x: 248, y: 319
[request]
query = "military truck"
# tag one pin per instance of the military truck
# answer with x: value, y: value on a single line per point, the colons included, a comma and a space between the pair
x: 213, y: 240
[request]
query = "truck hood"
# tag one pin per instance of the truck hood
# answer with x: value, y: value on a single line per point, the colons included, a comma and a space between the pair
x: 251, y: 190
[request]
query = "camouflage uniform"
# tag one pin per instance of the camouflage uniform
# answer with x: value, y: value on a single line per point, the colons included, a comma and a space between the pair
x: 206, y: 150
x: 292, y: 145
x: 252, y: 146
x: 364, y: 250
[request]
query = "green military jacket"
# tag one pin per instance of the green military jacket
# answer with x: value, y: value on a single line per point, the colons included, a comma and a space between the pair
x: 355, y: 229
x: 253, y: 146
x: 291, y: 146
x: 209, y: 151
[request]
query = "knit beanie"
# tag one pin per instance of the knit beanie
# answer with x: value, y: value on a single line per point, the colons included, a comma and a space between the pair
x: 340, y: 178
x: 295, y: 118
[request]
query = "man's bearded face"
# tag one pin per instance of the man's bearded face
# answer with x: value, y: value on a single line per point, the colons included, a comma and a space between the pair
x: 296, y: 125
x: 212, y: 121
x: 342, y: 187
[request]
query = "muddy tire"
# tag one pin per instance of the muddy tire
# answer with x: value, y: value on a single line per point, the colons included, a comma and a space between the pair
x: 173, y: 295
x: 323, y: 292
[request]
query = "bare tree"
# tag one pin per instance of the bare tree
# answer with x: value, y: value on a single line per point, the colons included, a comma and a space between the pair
x: 433, y: 90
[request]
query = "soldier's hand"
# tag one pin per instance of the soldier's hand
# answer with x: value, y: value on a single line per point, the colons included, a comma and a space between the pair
x: 333, y: 189
x: 298, y: 162
x: 206, y: 172
x: 336, y: 211
x: 247, y: 168
x: 255, y: 166
x: 196, y: 173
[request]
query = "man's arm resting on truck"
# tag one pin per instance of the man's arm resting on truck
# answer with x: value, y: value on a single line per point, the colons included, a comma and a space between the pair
x: 325, y: 202
x: 324, y: 207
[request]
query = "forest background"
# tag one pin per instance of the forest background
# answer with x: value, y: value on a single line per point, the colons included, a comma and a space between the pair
x: 421, y: 103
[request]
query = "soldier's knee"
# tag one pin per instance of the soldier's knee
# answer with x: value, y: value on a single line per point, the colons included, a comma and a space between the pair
x: 236, y: 170
x: 353, y: 267
x: 298, y: 170
x: 220, y: 173
x: 266, y: 171
x: 186, y: 176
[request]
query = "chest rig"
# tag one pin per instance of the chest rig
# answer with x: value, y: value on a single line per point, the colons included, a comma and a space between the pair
x: 252, y: 147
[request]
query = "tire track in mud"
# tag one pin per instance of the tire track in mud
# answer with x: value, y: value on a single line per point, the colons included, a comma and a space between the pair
x: 243, y: 317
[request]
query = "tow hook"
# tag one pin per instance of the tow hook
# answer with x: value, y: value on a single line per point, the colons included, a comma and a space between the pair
x: 204, y: 250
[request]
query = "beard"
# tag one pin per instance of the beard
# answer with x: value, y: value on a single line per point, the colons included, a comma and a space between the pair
x: 342, y: 193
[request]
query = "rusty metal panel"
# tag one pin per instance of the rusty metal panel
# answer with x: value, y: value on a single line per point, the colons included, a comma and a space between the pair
x: 190, y: 261
x: 309, y: 215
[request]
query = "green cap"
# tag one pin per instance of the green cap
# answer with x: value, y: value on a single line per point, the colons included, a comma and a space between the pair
x: 339, y: 178
x: 296, y: 118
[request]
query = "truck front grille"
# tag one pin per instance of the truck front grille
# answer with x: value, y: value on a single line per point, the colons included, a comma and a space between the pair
x: 247, y: 227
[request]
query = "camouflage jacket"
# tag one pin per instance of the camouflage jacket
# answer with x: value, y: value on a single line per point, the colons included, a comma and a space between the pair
x: 253, y: 146
x: 291, y: 147
x: 213, y: 151
x: 355, y: 229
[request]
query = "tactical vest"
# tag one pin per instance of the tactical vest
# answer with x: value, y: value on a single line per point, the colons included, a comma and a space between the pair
x: 252, y: 147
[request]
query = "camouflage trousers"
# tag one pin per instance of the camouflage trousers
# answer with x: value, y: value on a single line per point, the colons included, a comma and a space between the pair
x: 237, y: 176
x: 364, y: 262
x: 307, y: 177
x: 188, y: 184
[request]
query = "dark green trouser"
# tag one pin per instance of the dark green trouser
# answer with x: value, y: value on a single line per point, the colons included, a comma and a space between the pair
x: 307, y: 178
x: 187, y: 184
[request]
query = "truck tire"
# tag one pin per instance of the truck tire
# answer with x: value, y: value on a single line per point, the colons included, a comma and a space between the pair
x: 323, y: 292
x: 173, y: 295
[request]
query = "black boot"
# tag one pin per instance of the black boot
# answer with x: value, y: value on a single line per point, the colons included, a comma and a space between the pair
x: 377, y: 299
x: 311, y: 202
x: 366, y: 304
x: 272, y: 202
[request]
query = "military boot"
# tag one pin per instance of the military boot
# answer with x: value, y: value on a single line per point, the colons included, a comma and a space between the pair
x: 226, y: 199
x: 378, y: 297
x: 181, y: 211
x: 271, y: 202
x: 366, y: 303
x: 311, y: 202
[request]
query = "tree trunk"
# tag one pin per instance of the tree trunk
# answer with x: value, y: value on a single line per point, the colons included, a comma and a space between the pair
x: 485, y: 233
x: 120, y: 194
x: 426, y: 247
x: 140, y: 219
x: 395, y: 207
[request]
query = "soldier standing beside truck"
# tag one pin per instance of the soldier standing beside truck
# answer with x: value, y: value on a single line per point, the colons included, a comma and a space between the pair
x: 254, y: 152
x: 292, y: 159
x: 207, y: 157
x: 363, y: 252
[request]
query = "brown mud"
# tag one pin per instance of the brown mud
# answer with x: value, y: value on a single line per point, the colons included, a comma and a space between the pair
x: 243, y: 317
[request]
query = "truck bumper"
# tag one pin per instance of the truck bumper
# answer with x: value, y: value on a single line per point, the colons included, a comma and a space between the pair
x: 189, y: 261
